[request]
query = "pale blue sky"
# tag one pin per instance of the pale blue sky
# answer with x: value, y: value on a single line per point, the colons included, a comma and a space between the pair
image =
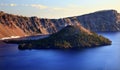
x: 56, y: 8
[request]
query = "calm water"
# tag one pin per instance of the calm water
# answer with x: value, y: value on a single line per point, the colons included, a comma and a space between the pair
x: 102, y: 58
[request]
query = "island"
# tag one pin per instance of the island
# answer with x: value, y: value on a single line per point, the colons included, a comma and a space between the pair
x: 70, y: 37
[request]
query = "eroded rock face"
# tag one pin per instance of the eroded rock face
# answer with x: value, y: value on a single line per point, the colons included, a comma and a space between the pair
x: 107, y: 20
x: 10, y: 25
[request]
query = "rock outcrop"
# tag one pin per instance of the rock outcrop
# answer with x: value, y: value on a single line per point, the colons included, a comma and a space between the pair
x: 108, y: 20
x: 14, y: 25
x: 72, y: 36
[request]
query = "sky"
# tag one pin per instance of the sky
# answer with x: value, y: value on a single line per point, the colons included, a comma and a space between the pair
x: 56, y: 8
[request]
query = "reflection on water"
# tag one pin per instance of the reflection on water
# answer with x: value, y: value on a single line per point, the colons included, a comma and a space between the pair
x: 101, y: 58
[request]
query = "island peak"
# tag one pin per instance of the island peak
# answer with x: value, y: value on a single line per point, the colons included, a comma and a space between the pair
x: 72, y: 36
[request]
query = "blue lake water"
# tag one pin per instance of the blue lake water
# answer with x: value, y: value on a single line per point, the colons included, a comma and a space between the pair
x: 101, y: 58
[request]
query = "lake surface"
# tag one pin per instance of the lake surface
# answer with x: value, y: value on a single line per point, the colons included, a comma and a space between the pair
x: 101, y: 58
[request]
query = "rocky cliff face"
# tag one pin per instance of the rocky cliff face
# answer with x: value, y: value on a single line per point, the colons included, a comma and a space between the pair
x: 108, y: 20
x: 12, y: 25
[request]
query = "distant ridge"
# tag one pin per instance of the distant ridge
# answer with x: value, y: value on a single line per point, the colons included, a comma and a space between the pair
x: 13, y: 25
